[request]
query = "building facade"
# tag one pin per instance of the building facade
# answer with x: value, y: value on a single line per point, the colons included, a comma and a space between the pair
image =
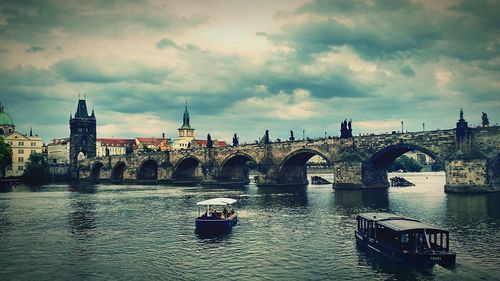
x: 82, y: 133
x: 114, y: 146
x: 58, y: 151
x: 22, y: 145
x: 154, y: 144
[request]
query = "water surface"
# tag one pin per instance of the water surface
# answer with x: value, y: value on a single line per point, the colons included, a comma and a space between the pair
x: 122, y: 232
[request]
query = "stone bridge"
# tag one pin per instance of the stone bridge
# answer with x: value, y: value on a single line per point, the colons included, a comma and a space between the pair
x: 471, y: 161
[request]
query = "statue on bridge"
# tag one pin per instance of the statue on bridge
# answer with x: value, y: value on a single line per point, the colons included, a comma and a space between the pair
x: 210, y: 143
x: 292, y: 138
x: 107, y: 151
x: 345, y: 129
x: 129, y: 149
x: 235, y: 140
x: 486, y: 122
x: 265, y: 139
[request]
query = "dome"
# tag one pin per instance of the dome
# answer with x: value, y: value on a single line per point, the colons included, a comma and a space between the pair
x: 5, y: 119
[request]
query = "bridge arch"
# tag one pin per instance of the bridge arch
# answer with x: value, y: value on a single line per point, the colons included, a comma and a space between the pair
x: 95, y: 172
x: 292, y: 169
x: 148, y: 170
x: 187, y: 170
x: 117, y: 171
x: 385, y: 156
x: 374, y: 172
x: 233, y: 168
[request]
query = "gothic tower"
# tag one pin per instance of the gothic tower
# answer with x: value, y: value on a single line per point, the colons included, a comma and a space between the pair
x: 82, y: 133
x: 186, y: 131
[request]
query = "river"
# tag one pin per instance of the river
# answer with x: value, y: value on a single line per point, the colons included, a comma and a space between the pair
x: 133, y: 232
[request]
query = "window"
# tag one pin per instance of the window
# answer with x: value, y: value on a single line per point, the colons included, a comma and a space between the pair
x: 9, y: 168
x: 9, y: 142
x: 20, y: 151
x: 21, y: 143
x: 20, y: 168
x: 33, y: 151
x: 20, y: 159
x: 33, y: 143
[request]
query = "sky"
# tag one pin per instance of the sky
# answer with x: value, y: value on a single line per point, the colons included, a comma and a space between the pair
x: 247, y: 66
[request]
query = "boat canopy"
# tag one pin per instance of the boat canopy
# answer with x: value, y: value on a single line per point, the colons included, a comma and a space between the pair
x: 398, y: 223
x: 217, y: 201
x: 405, y: 225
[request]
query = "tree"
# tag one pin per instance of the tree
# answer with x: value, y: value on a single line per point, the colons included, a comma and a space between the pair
x: 5, y: 156
x: 37, y: 170
x: 405, y: 164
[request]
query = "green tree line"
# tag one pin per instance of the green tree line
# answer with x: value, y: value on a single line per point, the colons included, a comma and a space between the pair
x: 406, y: 164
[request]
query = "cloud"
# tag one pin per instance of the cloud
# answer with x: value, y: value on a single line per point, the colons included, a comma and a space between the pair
x: 80, y: 69
x: 32, y: 22
x: 34, y: 49
x: 407, y: 71
x: 165, y: 43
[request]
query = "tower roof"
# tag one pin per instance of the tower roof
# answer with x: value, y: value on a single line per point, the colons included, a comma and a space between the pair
x: 185, y: 119
x: 81, y: 109
x: 5, y: 119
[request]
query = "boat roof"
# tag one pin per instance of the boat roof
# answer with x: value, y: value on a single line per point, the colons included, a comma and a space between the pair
x: 398, y: 223
x: 379, y: 216
x: 217, y: 201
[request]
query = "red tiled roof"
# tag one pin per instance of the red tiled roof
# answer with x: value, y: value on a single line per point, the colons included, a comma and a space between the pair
x: 152, y: 141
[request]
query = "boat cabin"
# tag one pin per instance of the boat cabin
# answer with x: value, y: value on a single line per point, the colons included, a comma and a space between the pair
x: 404, y: 239
x: 408, y: 235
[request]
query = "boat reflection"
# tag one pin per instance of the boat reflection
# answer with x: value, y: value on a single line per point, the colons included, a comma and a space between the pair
x: 396, y: 271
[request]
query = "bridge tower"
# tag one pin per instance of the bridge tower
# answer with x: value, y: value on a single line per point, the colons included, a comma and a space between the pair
x: 82, y: 133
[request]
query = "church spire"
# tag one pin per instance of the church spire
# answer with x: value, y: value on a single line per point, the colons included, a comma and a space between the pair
x: 185, y: 119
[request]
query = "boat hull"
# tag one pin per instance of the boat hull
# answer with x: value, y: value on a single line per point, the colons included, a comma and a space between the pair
x: 425, y: 259
x: 215, y: 225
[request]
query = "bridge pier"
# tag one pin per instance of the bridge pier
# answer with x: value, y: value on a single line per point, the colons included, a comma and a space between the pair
x: 470, y: 175
x: 347, y: 175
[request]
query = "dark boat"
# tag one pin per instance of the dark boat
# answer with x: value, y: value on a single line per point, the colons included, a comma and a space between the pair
x: 405, y: 240
x: 214, y: 221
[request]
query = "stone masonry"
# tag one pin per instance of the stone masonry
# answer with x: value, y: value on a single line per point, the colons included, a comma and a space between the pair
x: 471, y: 164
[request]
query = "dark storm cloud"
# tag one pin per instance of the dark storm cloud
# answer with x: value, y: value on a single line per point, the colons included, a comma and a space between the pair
x: 34, y: 49
x: 407, y: 71
x: 373, y: 39
x: 26, y: 76
x: 32, y: 21
x: 165, y: 43
x: 383, y: 30
x: 81, y: 69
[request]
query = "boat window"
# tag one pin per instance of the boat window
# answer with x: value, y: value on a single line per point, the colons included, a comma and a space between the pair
x: 405, y: 238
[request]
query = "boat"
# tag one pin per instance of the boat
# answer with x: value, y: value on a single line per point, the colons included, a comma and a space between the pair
x: 405, y: 240
x: 215, y: 220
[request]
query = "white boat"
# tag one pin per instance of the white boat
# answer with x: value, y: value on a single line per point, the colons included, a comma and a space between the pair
x: 213, y: 220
